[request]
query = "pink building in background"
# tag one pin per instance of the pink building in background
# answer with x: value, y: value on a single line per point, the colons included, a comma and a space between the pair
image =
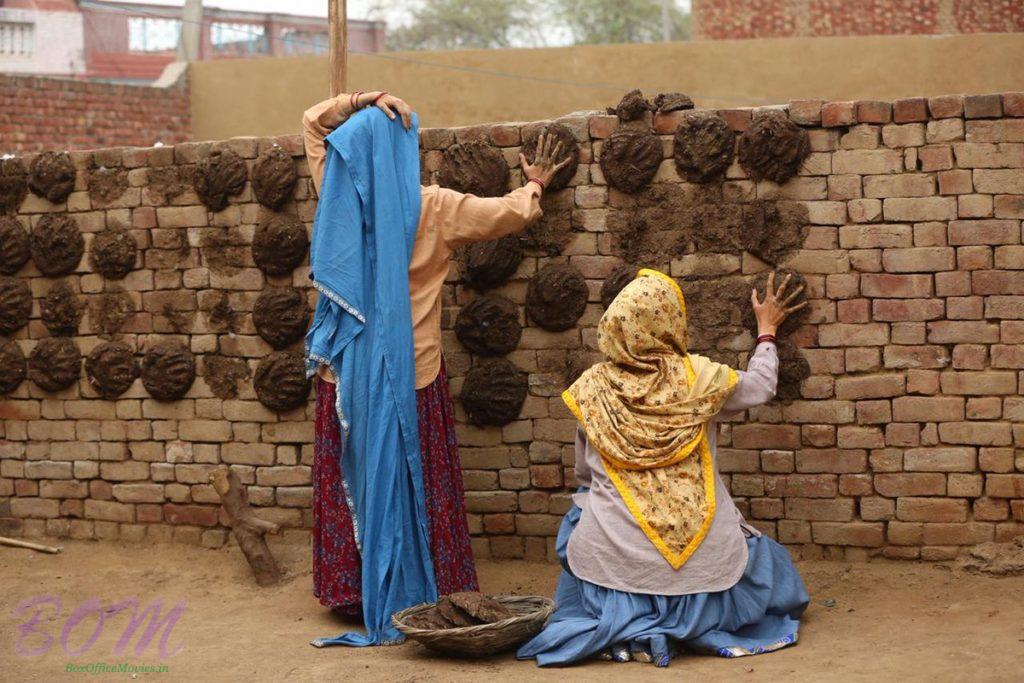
x: 132, y: 42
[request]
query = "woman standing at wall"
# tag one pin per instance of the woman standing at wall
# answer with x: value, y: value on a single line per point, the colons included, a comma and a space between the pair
x: 448, y: 219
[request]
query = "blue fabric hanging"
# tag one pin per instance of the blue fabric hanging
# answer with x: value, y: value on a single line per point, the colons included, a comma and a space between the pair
x: 363, y: 234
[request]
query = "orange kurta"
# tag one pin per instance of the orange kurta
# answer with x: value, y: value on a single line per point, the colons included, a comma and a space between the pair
x: 448, y: 220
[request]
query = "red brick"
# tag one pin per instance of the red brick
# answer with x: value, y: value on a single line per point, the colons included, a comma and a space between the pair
x: 782, y: 461
x: 955, y: 182
x: 734, y: 460
x: 546, y: 476
x: 997, y: 282
x: 900, y: 356
x: 927, y: 409
x: 919, y: 208
x: 866, y: 359
x: 876, y: 236
x: 841, y: 334
x: 874, y: 509
x: 820, y: 412
x: 1009, y: 206
x: 983, y: 106
x: 905, y: 533
x: 835, y: 114
x: 761, y: 436
x: 979, y: 383
x: 970, y: 356
x: 935, y: 157
x: 984, y: 408
x: 873, y: 412
x: 818, y: 461
x: 900, y: 310
x: 805, y: 112
x: 964, y: 485
x: 994, y: 231
x: 1009, y: 257
x: 958, y: 534
x: 976, y: 433
x: 873, y: 111
x: 941, y: 459
x: 767, y: 508
x: 1013, y: 103
x: 491, y: 501
x: 738, y: 119
x: 1004, y: 485
x: 962, y: 331
x: 850, y: 436
x: 946, y: 106
x: 911, y: 109
x: 870, y: 386
x: 931, y: 510
x: 1008, y: 356
x: 853, y: 311
x: 195, y: 515
x: 998, y: 181
x: 904, y: 185
x: 974, y: 257
x: 858, y: 534
x: 896, y: 286
x: 829, y: 510
x: 1007, y: 307
x: 110, y: 511
x: 801, y: 486
x: 991, y: 509
x: 895, y: 484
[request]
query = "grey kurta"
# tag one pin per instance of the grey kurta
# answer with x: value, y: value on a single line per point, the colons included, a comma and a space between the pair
x: 608, y: 547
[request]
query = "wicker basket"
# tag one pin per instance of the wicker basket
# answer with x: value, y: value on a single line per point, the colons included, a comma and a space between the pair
x: 529, y: 615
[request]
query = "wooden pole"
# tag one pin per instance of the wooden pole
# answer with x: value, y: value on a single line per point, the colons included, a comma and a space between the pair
x: 16, y: 543
x: 338, y: 19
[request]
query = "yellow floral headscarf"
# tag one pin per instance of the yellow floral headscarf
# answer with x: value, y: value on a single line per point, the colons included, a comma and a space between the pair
x: 646, y: 411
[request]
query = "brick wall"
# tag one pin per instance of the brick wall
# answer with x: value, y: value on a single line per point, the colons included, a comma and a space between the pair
x: 725, y: 19
x: 53, y: 113
x: 905, y: 439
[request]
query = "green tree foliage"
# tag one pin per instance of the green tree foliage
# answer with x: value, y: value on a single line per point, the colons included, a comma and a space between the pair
x: 622, y: 21
x: 483, y: 24
x: 461, y: 25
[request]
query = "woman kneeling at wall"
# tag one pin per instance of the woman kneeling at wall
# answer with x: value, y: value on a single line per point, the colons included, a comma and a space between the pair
x: 655, y: 555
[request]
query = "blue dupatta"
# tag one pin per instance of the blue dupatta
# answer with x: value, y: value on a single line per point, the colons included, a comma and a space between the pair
x: 363, y: 234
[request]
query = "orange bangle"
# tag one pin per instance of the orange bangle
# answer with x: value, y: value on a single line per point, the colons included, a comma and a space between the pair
x: 539, y: 182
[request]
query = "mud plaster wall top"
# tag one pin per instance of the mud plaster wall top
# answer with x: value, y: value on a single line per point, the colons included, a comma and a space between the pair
x: 901, y: 437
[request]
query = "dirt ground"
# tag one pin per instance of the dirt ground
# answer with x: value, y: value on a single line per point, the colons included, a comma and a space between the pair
x: 876, y: 621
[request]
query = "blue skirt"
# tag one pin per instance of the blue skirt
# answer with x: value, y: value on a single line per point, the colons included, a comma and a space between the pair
x: 759, y: 614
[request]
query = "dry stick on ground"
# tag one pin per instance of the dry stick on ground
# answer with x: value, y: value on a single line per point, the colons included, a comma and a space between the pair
x: 248, y: 528
x: 17, y: 543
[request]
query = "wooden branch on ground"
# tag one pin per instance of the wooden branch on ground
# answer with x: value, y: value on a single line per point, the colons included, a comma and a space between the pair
x: 249, y: 529
x: 18, y: 543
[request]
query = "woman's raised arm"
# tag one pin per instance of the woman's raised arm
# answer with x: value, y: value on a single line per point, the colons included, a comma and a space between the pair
x: 319, y: 120
x: 758, y: 383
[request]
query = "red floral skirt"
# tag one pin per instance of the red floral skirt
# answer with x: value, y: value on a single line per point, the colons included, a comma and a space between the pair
x: 336, y: 563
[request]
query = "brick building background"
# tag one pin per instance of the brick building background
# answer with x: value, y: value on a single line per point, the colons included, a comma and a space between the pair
x: 54, y: 113
x: 728, y: 19
x: 905, y: 439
